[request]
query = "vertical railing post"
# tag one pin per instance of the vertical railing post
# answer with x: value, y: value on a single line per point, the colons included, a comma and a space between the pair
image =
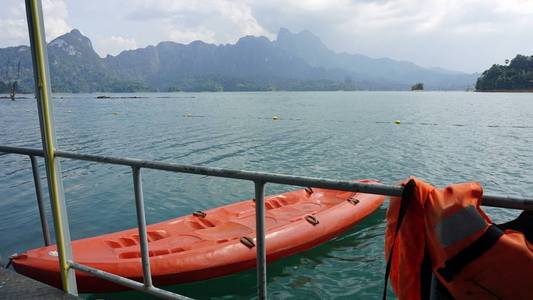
x: 141, y: 224
x: 43, y: 93
x: 39, y: 195
x: 260, y: 239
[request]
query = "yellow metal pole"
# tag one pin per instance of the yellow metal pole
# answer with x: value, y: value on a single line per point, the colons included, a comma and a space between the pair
x: 53, y: 167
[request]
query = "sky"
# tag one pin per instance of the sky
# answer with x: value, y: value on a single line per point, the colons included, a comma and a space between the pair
x: 463, y: 35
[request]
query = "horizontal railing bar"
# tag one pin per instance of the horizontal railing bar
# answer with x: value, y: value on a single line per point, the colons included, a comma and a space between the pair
x: 23, y: 151
x: 127, y: 282
x: 379, y: 189
x: 238, y: 174
x: 507, y: 202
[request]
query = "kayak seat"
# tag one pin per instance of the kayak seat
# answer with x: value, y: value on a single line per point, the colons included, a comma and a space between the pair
x: 126, y: 242
x: 307, y: 207
x: 157, y: 235
x: 199, y: 223
x: 280, y: 201
x: 179, y: 243
x: 133, y: 240
x: 224, y: 231
x: 249, y: 221
x: 137, y: 254
x: 286, y: 211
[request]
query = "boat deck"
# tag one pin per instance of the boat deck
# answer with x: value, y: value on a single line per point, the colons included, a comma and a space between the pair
x: 16, y: 286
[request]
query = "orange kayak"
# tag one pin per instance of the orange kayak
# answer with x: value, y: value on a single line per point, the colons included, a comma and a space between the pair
x: 208, y: 244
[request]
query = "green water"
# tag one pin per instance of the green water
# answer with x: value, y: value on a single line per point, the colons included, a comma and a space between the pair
x: 444, y: 137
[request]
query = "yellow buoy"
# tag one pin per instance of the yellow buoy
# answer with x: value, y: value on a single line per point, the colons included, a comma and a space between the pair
x: 275, y: 118
x: 397, y: 122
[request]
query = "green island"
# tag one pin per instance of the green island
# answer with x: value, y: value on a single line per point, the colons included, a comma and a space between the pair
x: 4, y: 88
x: 417, y: 87
x: 515, y: 76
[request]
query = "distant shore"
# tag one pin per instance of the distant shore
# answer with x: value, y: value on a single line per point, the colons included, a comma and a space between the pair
x: 124, y: 95
x: 506, y: 91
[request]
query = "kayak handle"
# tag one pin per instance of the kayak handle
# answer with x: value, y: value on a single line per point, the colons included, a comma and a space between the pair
x: 353, y: 201
x: 248, y: 242
x: 199, y: 214
x: 312, y: 220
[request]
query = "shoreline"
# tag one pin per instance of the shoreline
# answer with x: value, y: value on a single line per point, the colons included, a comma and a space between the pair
x: 505, y: 91
x: 104, y: 95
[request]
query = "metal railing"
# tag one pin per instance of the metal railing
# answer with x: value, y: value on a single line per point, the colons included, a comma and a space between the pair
x: 258, y: 178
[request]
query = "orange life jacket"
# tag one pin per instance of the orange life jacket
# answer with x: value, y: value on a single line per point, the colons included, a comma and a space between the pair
x: 445, y: 232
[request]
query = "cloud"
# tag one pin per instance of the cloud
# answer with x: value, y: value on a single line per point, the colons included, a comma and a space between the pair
x: 55, y: 18
x: 113, y: 45
x: 13, y: 23
x: 15, y: 27
x: 221, y: 21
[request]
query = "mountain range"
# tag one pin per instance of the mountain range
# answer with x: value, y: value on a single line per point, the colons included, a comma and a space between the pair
x: 293, y: 61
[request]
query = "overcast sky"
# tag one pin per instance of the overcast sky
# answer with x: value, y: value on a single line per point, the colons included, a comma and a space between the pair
x: 465, y: 35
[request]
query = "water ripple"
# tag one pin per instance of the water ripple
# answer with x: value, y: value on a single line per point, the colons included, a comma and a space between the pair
x: 442, y: 138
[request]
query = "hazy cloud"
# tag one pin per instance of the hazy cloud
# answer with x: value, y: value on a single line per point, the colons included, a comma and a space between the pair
x: 113, y: 45
x: 14, y: 28
x: 459, y: 34
x: 216, y: 21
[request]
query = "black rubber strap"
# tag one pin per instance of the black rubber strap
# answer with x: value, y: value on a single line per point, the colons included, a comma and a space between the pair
x: 524, y: 224
x: 9, y: 263
x: 407, y: 194
x: 426, y: 277
x: 455, y: 264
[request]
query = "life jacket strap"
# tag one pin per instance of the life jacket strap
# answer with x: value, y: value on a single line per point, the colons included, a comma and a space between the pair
x: 455, y: 264
x: 524, y: 224
x: 407, y: 194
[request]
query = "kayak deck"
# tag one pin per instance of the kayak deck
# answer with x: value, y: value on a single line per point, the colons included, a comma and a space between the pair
x: 209, y: 244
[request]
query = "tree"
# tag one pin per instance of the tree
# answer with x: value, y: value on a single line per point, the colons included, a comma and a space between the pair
x: 13, y: 93
x: 417, y: 87
x: 517, y: 74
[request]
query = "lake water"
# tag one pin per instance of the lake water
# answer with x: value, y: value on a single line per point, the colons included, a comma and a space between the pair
x: 444, y: 137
